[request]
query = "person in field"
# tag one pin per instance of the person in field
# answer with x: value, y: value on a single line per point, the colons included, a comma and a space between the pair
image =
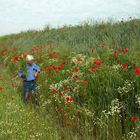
x: 29, y: 80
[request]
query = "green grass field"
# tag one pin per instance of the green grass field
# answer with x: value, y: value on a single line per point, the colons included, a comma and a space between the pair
x: 89, y: 84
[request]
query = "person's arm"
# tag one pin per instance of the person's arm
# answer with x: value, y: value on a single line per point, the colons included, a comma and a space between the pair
x: 37, y: 70
x: 21, y: 75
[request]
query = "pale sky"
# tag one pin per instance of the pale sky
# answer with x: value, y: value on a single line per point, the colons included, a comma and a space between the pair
x: 22, y: 15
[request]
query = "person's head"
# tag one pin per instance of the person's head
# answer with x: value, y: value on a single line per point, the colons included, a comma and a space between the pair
x: 29, y: 59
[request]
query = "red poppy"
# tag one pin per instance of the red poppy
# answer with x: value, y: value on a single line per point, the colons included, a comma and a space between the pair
x: 68, y: 124
x: 60, y: 66
x: 93, y: 69
x: 15, y: 59
x: 60, y: 94
x: 48, y: 69
x: 115, y: 54
x: 25, y: 55
x: 118, y: 61
x: 53, y: 90
x: 137, y: 71
x: 126, y: 50
x: 76, y: 69
x: 66, y: 88
x: 98, y: 62
x: 119, y: 50
x: 51, y: 74
x: 58, y: 109
x: 85, y: 82
x: 134, y: 118
x: 124, y: 66
x: 69, y: 99
x: 79, y: 59
x: 54, y: 67
x: 76, y: 76
x: 64, y: 63
x: 57, y: 56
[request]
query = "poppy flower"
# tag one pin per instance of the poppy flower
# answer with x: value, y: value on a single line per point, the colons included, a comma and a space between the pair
x: 48, y: 69
x: 15, y: 59
x: 79, y: 59
x: 69, y: 99
x: 68, y: 124
x: 137, y: 71
x: 97, y: 62
x: 51, y: 74
x: 60, y: 94
x: 53, y: 90
x: 93, y: 69
x: 25, y: 55
x: 124, y: 67
x: 126, y: 50
x: 76, y: 69
x: 118, y: 61
x: 76, y: 76
x: 57, y: 56
x: 58, y: 109
x: 134, y: 118
x: 64, y: 63
x: 115, y: 54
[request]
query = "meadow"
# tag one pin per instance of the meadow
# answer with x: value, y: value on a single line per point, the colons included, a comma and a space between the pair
x: 89, y: 84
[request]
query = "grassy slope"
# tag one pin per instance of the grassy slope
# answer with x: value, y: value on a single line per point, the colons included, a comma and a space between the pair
x: 124, y: 34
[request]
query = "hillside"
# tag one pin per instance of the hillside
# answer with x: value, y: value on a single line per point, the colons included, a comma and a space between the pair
x: 122, y: 34
x: 88, y: 84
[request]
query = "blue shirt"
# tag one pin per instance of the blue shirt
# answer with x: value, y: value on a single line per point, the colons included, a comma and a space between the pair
x: 31, y: 69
